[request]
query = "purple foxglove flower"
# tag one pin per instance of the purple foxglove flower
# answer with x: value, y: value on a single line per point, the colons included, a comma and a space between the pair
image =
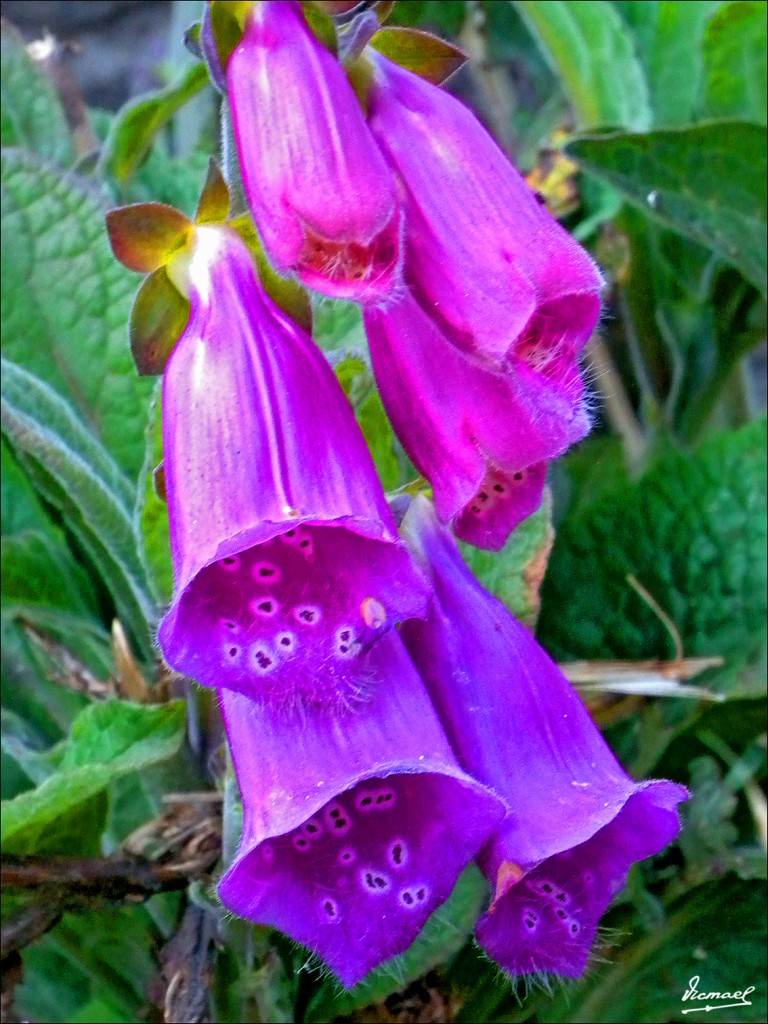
x: 483, y: 255
x: 482, y: 437
x: 576, y: 821
x: 357, y: 824
x: 286, y: 558
x: 322, y: 195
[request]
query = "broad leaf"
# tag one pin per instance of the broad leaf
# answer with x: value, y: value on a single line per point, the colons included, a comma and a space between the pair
x: 106, y: 741
x: 692, y: 532
x: 66, y: 302
x: 590, y: 48
x: 735, y: 59
x: 707, y: 182
x: 32, y: 117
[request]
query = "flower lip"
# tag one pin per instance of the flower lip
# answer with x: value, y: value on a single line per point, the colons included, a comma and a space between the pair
x: 350, y: 843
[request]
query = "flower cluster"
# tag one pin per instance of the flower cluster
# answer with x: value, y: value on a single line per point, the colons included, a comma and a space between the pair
x: 389, y: 721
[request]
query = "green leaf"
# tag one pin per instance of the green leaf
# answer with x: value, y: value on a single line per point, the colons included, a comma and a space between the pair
x: 591, y: 50
x: 136, y: 126
x: 106, y: 741
x: 715, y: 932
x: 75, y: 474
x: 515, y: 573
x: 707, y: 182
x: 692, y: 531
x: 66, y: 302
x: 670, y: 38
x: 32, y: 117
x: 444, y: 934
x: 735, y: 58
x: 95, y: 966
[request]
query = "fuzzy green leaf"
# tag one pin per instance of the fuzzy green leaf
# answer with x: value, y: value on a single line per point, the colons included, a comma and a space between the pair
x: 32, y: 117
x: 66, y: 302
x: 106, y: 741
x: 692, y: 531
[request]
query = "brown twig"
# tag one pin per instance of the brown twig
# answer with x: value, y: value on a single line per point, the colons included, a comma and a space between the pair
x: 182, y: 984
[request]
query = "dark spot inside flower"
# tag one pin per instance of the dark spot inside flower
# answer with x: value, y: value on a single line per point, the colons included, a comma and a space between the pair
x: 301, y: 844
x: 312, y: 829
x: 587, y: 877
x: 540, y: 199
x: 229, y: 560
x: 385, y: 798
x: 335, y: 813
x: 375, y: 882
x: 562, y: 914
x: 366, y: 801
x: 518, y: 476
x: 345, y: 634
x: 285, y: 641
x: 233, y: 652
x: 265, y: 606
x: 307, y: 615
x: 265, y: 573
x: 421, y: 895
x: 530, y: 920
x: 407, y: 898
x: 263, y: 659
x: 546, y: 887
x: 230, y: 625
x: 574, y: 928
x: 498, y: 488
x: 340, y: 823
x: 290, y: 533
x: 475, y: 508
x: 343, y: 648
x: 397, y: 853
x: 482, y: 496
x: 330, y: 908
x: 304, y: 543
x: 562, y: 897
x: 347, y: 856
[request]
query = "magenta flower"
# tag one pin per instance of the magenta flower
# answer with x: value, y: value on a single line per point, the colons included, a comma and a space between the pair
x: 287, y: 562
x: 320, y: 191
x: 484, y: 257
x: 357, y: 825
x: 481, y: 437
x: 576, y: 821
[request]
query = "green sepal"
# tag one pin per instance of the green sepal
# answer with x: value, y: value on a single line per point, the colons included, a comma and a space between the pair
x: 213, y: 206
x: 321, y: 25
x: 422, y: 53
x: 146, y: 235
x: 158, y: 318
x: 228, y: 19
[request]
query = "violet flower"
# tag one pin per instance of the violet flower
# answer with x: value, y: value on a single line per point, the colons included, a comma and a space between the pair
x: 576, y: 821
x: 320, y: 191
x: 357, y: 824
x: 484, y: 257
x: 286, y: 558
x: 480, y: 436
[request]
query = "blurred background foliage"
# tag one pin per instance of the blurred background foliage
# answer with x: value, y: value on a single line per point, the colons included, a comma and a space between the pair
x: 642, y: 124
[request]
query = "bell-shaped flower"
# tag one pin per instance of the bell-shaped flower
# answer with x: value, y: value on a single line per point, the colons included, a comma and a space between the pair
x: 482, y: 437
x: 483, y: 255
x: 286, y: 558
x: 323, y: 198
x: 576, y: 821
x: 356, y: 824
